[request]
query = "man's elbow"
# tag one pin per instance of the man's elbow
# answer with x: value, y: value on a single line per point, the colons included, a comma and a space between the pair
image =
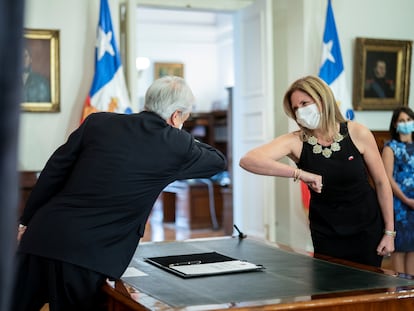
x: 224, y: 164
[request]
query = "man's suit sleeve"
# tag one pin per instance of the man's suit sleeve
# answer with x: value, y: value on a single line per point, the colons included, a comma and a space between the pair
x: 54, y: 174
x: 204, y: 161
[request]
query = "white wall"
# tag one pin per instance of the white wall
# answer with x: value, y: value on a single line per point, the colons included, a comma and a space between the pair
x: 41, y: 133
x: 373, y: 19
x: 299, y: 26
x: 298, y: 30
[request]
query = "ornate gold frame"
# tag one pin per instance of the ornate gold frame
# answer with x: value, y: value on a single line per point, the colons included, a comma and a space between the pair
x: 163, y: 69
x: 397, y: 54
x: 49, y: 41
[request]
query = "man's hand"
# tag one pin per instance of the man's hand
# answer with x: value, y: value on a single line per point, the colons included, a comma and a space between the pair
x: 20, y: 231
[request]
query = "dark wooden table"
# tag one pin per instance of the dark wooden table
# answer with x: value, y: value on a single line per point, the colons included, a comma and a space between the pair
x: 290, y: 281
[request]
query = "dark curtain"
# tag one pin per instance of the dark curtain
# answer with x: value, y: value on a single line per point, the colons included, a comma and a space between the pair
x: 11, y: 40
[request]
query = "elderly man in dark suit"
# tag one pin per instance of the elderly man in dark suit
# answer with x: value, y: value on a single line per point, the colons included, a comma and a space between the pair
x: 88, y: 210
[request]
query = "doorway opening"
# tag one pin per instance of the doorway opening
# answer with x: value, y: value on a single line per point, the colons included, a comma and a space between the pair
x: 197, y: 45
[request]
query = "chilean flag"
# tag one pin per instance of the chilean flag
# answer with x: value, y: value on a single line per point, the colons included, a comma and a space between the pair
x: 108, y: 91
x: 332, y: 68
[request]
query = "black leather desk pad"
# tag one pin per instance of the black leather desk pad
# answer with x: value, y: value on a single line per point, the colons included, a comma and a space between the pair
x: 287, y: 276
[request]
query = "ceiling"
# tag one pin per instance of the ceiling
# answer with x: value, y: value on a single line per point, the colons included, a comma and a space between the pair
x: 173, y: 17
x: 219, y: 5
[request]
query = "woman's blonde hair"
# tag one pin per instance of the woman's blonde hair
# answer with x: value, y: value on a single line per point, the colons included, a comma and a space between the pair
x: 324, y: 98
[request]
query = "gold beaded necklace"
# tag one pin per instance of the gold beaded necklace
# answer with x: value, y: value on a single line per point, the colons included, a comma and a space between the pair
x: 326, y: 151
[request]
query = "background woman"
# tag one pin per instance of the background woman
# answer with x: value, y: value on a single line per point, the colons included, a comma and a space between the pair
x: 398, y: 157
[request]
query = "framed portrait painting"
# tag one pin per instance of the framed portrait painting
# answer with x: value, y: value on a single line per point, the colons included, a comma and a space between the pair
x: 381, y: 74
x: 41, y: 77
x: 168, y: 69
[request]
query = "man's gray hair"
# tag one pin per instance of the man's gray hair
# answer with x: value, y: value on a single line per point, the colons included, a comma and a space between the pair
x: 168, y: 94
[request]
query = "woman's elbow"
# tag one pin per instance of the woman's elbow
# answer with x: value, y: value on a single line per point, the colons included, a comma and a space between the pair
x: 245, y: 162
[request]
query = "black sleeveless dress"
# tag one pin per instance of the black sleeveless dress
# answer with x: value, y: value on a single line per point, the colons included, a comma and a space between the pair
x: 345, y: 218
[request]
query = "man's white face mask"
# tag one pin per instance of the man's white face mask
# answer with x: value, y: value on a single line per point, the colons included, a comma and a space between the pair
x: 308, y: 116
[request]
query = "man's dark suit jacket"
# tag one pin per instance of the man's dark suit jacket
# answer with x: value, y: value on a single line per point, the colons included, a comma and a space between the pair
x: 93, y: 197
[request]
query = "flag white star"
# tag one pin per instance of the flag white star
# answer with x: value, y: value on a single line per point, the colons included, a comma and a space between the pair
x: 103, y: 43
x: 326, y: 52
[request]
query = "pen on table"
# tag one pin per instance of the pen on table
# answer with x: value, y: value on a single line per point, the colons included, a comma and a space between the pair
x: 186, y: 263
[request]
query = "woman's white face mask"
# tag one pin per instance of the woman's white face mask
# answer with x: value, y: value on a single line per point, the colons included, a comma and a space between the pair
x: 308, y: 116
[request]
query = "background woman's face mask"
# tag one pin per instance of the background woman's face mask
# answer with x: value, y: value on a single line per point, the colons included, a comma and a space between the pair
x: 405, y: 127
x: 308, y: 116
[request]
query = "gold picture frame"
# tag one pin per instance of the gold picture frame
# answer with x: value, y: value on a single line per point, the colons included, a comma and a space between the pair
x: 168, y: 69
x: 41, y: 73
x: 381, y: 74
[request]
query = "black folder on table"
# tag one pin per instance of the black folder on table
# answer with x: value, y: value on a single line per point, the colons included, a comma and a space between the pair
x: 202, y: 264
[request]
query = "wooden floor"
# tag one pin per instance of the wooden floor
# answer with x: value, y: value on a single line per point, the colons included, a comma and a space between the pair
x: 157, y: 230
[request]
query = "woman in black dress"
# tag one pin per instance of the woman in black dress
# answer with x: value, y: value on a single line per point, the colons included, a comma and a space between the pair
x: 349, y: 219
